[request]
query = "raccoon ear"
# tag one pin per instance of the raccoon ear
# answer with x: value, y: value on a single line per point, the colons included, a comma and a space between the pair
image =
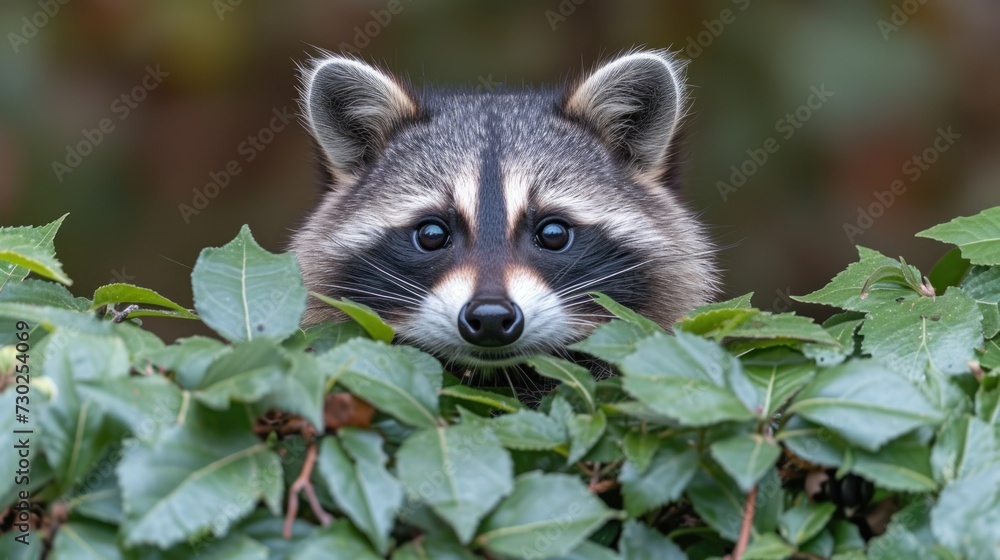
x: 635, y: 104
x: 352, y: 109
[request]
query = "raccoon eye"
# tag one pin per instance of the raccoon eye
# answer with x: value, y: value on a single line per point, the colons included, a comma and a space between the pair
x: 553, y: 235
x: 431, y: 236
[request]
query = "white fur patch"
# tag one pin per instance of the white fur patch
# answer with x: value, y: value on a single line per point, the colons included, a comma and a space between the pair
x: 516, y: 188
x: 465, y: 196
x: 545, y: 324
x: 435, y: 326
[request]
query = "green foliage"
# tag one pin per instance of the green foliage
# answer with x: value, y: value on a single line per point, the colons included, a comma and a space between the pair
x: 327, y: 441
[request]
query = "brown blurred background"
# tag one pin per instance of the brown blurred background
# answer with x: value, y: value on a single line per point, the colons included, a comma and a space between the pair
x: 216, y: 73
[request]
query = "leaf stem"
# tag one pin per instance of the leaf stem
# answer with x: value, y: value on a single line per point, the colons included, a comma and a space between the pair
x: 748, y: 513
x: 301, y: 484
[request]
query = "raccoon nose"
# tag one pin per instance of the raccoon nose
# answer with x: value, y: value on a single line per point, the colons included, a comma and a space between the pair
x: 490, y: 322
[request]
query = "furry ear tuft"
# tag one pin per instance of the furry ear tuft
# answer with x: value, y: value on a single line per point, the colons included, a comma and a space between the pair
x: 635, y: 104
x: 352, y: 109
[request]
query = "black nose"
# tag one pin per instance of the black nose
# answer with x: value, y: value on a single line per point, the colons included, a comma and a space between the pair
x: 490, y: 322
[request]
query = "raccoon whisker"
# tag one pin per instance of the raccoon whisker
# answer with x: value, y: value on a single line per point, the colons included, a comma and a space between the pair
x: 569, y: 266
x: 589, y: 315
x: 585, y: 284
x: 421, y: 291
x: 404, y: 284
x: 375, y: 292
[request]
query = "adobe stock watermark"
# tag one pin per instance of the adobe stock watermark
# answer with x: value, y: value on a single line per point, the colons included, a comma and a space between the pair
x: 363, y: 34
x: 901, y: 14
x: 787, y: 126
x: 696, y: 44
x: 31, y: 25
x: 565, y: 9
x: 248, y: 150
x: 487, y: 84
x: 121, y: 107
x: 914, y: 168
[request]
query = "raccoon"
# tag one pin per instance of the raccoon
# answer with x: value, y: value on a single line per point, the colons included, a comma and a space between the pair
x: 477, y: 223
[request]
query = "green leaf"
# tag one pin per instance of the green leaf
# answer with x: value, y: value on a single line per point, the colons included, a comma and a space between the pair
x: 716, y: 323
x: 30, y: 249
x: 612, y: 341
x: 243, y: 292
x: 777, y: 381
x: 397, y: 380
x: 786, y: 327
x: 269, y: 530
x: 577, y: 378
x: 820, y: 546
x: 983, y: 286
x: 493, y: 400
x: 639, y: 542
x: 909, y: 536
x: 977, y: 236
x: 842, y: 327
x: 663, y: 481
x: 526, y: 430
x: 337, y: 541
x: 768, y: 546
x: 690, y: 379
x: 903, y: 465
x: 98, y: 498
x: 231, y: 547
x: 584, y: 431
x: 990, y: 357
x: 126, y: 293
x: 140, y: 405
x: 625, y: 314
x: 846, y: 537
x: 805, y: 521
x: 988, y: 400
x: 741, y: 302
x: 435, y: 547
x: 717, y: 500
x: 865, y: 403
x: 188, y: 358
x: 85, y: 540
x: 844, y: 291
x: 324, y: 336
x: 195, y: 477
x: 965, y: 446
x: 352, y: 465
x: 949, y: 270
x: 746, y: 458
x: 244, y: 375
x: 545, y: 515
x: 639, y: 449
x: 461, y: 472
x: 300, y: 391
x: 74, y: 426
x: 361, y: 314
x: 41, y: 292
x: 915, y: 333
x: 589, y: 550
x: 967, y: 514
x: 12, y: 549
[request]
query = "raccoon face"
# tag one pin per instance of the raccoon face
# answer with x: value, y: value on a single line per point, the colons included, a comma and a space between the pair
x: 477, y: 224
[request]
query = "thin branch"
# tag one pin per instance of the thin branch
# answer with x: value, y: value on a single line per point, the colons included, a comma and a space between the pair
x: 302, y: 483
x: 748, y: 513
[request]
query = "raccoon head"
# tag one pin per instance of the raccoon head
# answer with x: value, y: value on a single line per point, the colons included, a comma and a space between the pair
x: 478, y: 223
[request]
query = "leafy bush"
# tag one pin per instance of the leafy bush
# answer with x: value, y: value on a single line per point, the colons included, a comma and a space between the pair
x: 748, y: 433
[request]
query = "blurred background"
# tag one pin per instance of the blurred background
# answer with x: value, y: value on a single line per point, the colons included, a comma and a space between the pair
x: 159, y: 125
